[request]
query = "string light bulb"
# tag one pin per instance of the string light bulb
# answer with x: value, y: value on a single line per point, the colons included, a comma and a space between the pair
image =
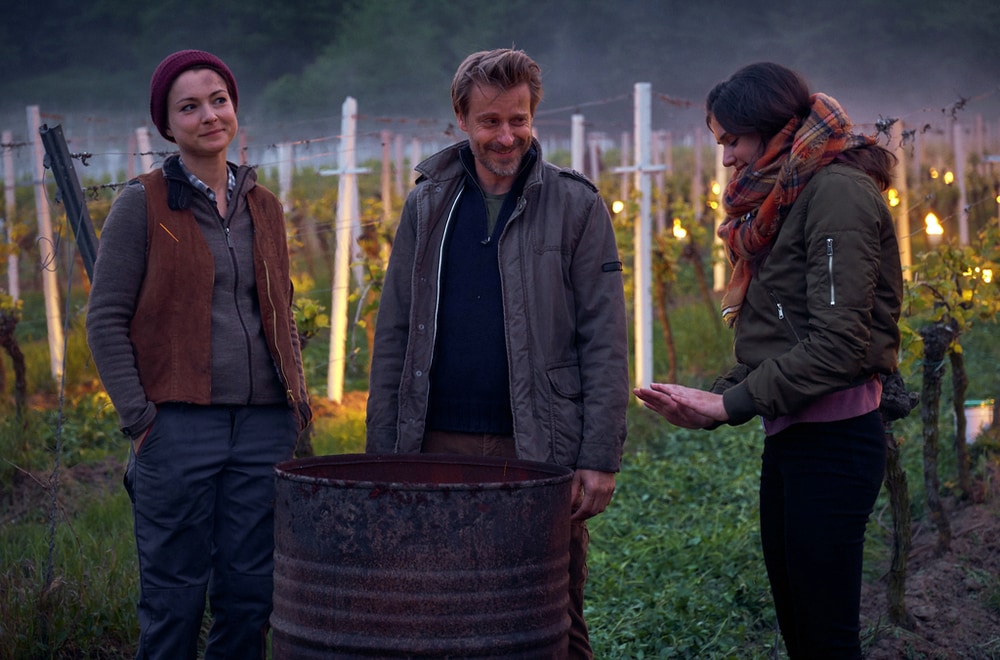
x: 933, y: 225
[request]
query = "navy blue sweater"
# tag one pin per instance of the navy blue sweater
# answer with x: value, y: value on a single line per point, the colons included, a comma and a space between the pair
x: 469, y: 381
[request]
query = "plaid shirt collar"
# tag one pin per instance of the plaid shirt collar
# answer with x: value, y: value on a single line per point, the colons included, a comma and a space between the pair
x: 202, y: 186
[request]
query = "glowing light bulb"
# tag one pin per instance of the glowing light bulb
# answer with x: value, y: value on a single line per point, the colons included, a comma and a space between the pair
x: 679, y: 232
x: 617, y: 206
x: 933, y: 225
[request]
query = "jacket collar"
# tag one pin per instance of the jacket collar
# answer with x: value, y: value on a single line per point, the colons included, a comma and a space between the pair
x: 447, y: 164
x: 527, y: 164
x: 179, y: 188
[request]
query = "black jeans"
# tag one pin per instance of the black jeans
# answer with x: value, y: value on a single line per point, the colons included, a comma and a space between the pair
x: 818, y: 485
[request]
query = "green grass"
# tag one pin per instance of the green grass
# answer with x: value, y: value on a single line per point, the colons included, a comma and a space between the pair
x: 80, y: 605
x: 675, y: 564
x: 343, y: 434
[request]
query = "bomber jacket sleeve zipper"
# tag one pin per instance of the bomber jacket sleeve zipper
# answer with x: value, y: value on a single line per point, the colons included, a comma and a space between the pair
x: 829, y: 266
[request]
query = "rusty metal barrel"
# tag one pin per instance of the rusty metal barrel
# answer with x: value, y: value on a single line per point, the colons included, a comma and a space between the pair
x: 420, y: 556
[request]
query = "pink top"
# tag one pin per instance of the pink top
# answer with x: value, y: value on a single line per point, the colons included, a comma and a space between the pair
x: 844, y: 404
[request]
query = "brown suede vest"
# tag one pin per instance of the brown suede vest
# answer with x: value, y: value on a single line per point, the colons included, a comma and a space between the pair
x: 171, y: 328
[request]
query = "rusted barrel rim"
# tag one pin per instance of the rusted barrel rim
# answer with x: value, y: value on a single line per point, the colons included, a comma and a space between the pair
x: 291, y: 470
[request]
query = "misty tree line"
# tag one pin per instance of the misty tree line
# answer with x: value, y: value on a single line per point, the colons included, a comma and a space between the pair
x: 299, y: 56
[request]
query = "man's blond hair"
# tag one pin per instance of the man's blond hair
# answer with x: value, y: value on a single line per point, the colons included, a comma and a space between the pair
x: 502, y: 68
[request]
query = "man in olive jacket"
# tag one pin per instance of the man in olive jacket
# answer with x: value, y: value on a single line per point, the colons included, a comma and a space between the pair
x: 501, y: 327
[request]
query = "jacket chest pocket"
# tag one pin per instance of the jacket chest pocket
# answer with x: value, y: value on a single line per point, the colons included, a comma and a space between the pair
x: 783, y: 314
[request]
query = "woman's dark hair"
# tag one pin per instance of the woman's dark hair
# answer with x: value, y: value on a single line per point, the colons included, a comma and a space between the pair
x: 874, y: 160
x: 760, y: 98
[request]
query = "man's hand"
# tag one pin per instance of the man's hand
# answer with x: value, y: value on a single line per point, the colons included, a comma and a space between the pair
x: 591, y: 493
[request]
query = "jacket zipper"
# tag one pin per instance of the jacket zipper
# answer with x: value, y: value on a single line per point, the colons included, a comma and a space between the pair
x: 781, y: 315
x: 239, y: 316
x: 274, y: 333
x: 829, y: 266
x: 440, y: 267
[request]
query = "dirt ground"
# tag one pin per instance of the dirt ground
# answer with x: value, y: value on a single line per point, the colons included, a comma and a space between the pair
x: 954, y: 599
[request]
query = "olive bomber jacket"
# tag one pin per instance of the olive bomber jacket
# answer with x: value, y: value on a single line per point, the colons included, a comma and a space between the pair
x: 821, y: 314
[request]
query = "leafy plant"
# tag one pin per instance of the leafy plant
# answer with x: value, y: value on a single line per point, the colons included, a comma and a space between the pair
x: 310, y: 317
x: 953, y: 288
x: 676, y: 566
x: 10, y: 316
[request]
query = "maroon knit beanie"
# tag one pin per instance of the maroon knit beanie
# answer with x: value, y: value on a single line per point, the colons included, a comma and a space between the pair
x: 167, y: 72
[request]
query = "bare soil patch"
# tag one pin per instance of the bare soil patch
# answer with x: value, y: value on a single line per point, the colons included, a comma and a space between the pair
x: 954, y: 599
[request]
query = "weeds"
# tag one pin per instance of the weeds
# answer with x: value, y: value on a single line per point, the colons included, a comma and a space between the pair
x: 676, y: 569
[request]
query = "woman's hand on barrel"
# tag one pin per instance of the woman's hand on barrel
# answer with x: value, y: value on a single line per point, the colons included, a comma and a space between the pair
x: 592, y: 491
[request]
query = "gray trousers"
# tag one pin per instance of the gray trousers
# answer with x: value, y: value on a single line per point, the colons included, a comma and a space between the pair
x: 202, y: 491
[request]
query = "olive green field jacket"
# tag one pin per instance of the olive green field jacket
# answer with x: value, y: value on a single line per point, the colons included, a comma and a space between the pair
x: 564, y: 310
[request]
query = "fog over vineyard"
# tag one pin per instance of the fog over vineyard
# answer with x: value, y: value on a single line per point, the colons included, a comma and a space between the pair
x: 297, y: 59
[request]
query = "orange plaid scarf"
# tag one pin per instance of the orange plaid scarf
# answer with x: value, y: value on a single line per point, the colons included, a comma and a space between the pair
x: 758, y: 196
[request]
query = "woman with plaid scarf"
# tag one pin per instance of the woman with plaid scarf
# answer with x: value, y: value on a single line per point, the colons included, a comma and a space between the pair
x: 814, y: 300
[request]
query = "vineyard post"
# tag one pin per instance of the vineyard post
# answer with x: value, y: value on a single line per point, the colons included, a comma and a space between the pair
x: 285, y: 169
x: 414, y: 161
x: 348, y: 228
x: 718, y: 249
x: 902, y: 192
x: 697, y: 177
x: 60, y: 162
x: 963, y: 210
x: 386, y: 178
x: 623, y: 193
x: 145, y: 149
x: 400, y: 165
x: 643, y: 238
x: 576, y: 143
x: 46, y: 250
x: 594, y: 146
x: 10, y: 199
x: 659, y: 183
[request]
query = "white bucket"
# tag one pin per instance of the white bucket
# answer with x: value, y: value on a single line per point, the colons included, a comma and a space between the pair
x: 978, y: 417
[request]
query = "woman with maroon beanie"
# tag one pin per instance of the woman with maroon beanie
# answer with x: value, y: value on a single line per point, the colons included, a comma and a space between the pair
x: 191, y: 329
